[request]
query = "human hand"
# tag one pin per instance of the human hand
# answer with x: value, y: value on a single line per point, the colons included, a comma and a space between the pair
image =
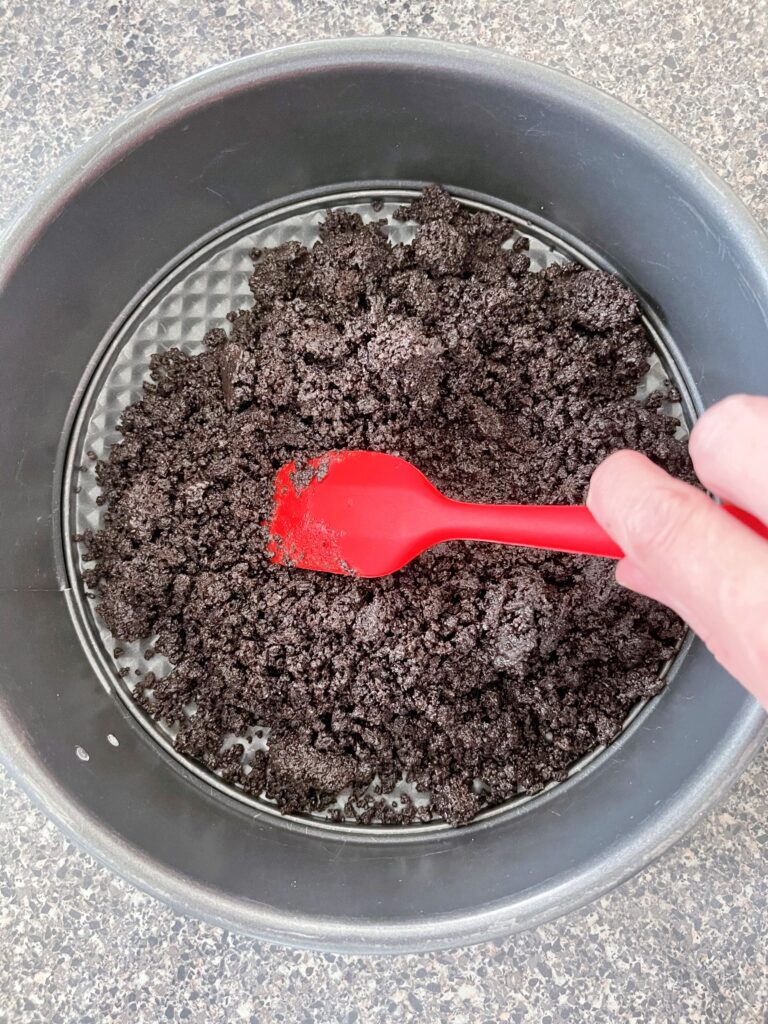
x: 685, y: 551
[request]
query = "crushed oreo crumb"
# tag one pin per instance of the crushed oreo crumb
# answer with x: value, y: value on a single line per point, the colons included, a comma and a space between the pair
x: 479, y: 672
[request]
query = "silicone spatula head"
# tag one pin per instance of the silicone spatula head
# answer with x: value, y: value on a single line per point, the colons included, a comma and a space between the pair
x: 354, y: 513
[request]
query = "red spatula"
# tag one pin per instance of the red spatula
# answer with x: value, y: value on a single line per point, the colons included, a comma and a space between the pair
x: 368, y: 514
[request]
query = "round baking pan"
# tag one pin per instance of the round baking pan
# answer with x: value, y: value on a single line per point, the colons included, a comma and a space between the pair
x: 84, y: 274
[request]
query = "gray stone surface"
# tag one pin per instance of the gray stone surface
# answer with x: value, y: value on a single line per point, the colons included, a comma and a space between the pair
x: 683, y: 942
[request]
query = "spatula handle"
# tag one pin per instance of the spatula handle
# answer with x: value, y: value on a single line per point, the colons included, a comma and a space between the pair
x: 759, y: 527
x: 570, y: 528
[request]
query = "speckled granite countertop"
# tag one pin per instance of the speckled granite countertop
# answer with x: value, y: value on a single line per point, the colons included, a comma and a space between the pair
x: 684, y: 942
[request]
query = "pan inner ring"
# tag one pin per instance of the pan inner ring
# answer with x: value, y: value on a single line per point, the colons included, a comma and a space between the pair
x: 184, y: 302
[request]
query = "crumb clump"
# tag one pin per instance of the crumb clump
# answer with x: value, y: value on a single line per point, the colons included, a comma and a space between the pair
x: 479, y: 672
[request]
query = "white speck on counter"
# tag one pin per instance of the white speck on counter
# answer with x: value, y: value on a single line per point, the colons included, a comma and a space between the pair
x: 82, y: 754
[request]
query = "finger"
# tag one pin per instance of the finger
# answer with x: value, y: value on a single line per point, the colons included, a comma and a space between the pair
x: 729, y: 449
x: 630, y: 575
x: 684, y: 550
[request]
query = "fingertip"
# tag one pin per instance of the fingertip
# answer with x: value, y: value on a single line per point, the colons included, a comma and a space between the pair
x: 729, y: 452
x: 713, y: 432
x: 616, y: 482
x: 708, y: 429
x: 603, y: 476
x: 630, y: 575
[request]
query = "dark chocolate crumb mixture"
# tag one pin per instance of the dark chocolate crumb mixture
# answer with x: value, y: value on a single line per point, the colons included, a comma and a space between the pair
x: 476, y: 662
